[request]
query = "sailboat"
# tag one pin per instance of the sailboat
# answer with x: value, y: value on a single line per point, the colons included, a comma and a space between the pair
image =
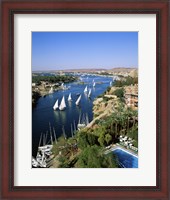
x: 89, y: 93
x: 94, y: 84
x: 55, y: 105
x: 78, y: 100
x: 85, y: 90
x: 51, y: 90
x: 110, y: 83
x: 69, y: 97
x: 83, y: 121
x: 62, y: 104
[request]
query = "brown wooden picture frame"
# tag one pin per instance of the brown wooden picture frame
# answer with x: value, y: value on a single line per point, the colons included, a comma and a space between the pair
x: 11, y: 7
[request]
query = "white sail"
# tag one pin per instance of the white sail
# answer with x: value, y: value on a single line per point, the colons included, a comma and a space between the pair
x: 94, y: 84
x: 51, y: 90
x: 69, y: 97
x: 85, y: 90
x: 89, y: 93
x: 62, y: 104
x: 110, y: 83
x: 55, y: 105
x: 78, y: 100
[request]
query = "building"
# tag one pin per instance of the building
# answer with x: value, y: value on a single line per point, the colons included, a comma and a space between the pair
x: 131, y: 96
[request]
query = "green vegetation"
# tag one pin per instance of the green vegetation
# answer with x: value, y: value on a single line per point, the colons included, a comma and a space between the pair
x: 125, y: 81
x: 93, y: 157
x: 86, y: 149
x: 86, y: 138
x: 53, y: 79
x: 42, y: 89
x: 35, y: 97
x: 119, y: 93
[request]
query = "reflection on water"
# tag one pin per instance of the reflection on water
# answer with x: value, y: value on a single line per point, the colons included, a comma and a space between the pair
x: 62, y: 116
x: 43, y: 113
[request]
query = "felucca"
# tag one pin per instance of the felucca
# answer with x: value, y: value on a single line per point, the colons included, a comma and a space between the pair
x: 69, y: 97
x: 62, y: 104
x: 78, y: 100
x: 55, y: 105
x: 85, y: 90
x: 89, y: 93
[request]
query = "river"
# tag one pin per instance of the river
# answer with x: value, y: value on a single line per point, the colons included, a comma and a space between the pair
x: 43, y: 113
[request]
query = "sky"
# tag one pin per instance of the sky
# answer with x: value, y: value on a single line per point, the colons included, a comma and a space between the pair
x: 82, y: 50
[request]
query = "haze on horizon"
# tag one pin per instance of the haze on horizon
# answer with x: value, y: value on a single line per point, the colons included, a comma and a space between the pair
x: 84, y: 50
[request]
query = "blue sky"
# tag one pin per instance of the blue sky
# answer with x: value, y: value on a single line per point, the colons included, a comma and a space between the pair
x: 74, y: 50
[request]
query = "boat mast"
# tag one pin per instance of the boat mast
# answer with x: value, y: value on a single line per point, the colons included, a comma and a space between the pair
x: 74, y: 127
x: 64, y: 134
x: 71, y: 131
x: 79, y: 118
x: 87, y: 119
x: 46, y: 136
x: 43, y: 139
x: 51, y: 133
x: 40, y: 140
x: 54, y: 135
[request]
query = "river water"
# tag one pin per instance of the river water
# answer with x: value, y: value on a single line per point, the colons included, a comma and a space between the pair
x: 43, y: 113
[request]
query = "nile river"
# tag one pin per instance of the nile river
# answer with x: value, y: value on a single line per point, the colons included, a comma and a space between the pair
x: 43, y: 113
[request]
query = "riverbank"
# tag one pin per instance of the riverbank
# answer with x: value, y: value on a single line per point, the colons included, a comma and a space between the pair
x: 112, y: 118
x: 45, y: 85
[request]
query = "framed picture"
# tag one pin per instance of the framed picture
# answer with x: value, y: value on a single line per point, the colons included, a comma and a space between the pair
x: 84, y: 99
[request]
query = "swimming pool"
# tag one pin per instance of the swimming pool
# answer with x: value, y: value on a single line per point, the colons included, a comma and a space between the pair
x: 126, y: 159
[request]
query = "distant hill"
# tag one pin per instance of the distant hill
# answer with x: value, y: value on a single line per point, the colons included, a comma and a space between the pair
x: 121, y: 69
x: 114, y: 70
x: 133, y: 73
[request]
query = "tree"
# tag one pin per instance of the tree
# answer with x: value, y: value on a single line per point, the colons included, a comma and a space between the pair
x: 119, y: 93
x: 108, y: 138
x: 91, y: 139
x: 110, y: 161
x: 101, y: 140
x: 82, y: 140
x: 93, y: 157
x: 63, y: 162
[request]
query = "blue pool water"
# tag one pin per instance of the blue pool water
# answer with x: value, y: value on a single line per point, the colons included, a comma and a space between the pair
x: 126, y: 159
